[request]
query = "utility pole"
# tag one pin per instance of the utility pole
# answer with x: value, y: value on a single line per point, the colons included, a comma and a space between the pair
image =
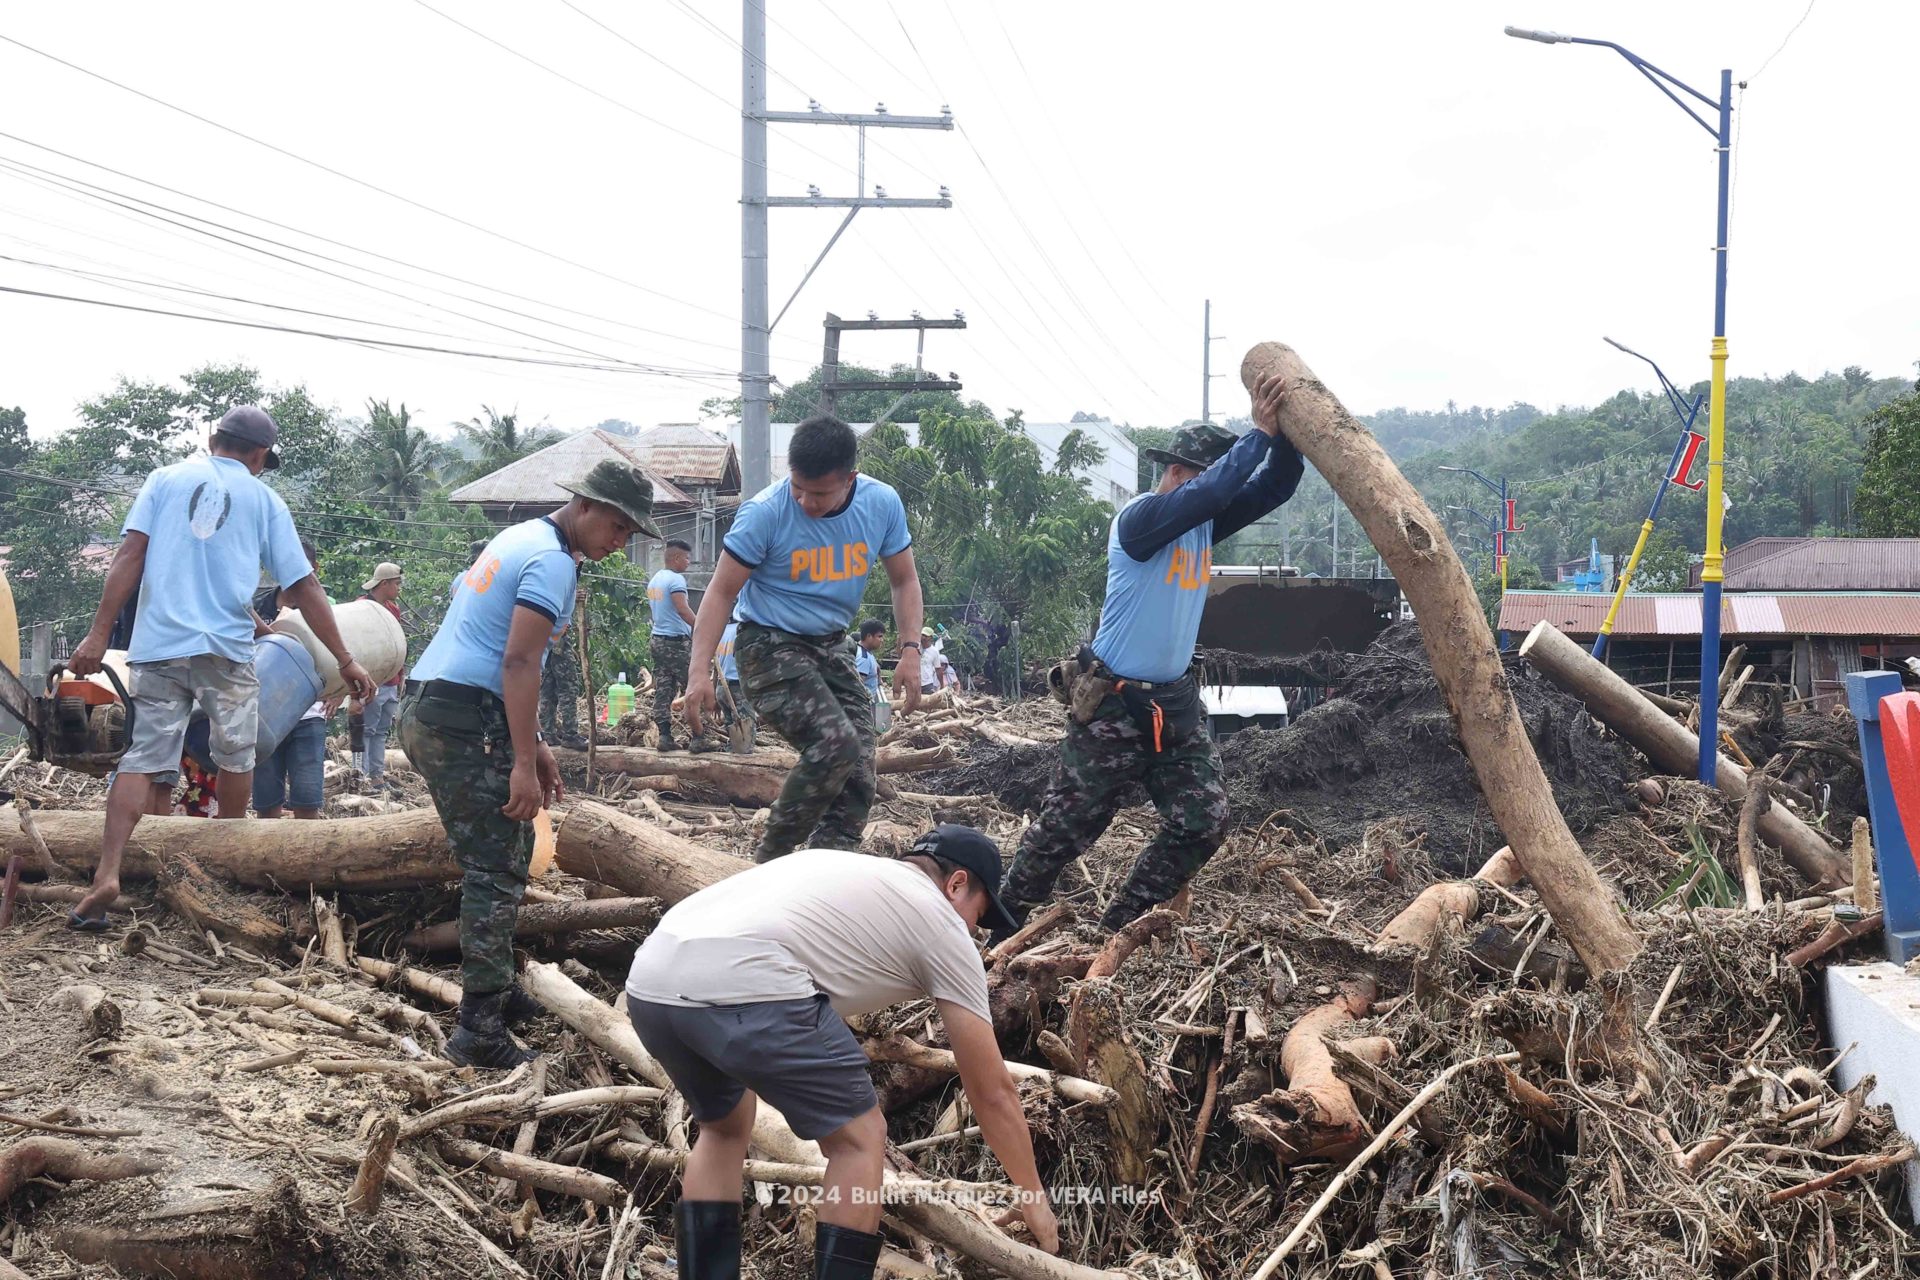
x: 830, y: 384
x: 756, y: 332
x: 1207, y: 375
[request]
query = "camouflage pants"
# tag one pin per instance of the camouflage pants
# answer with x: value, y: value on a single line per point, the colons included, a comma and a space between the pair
x: 560, y: 692
x: 671, y: 656
x: 1096, y: 761
x: 466, y: 756
x: 808, y: 690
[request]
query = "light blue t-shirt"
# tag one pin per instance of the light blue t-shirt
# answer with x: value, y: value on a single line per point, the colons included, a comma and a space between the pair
x: 211, y: 528
x: 729, y: 669
x: 1152, y: 616
x: 869, y: 668
x: 527, y: 565
x: 809, y: 574
x: 661, y: 588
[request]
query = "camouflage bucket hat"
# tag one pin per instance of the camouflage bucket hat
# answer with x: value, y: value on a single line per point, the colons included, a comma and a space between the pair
x: 1198, y: 446
x: 622, y: 487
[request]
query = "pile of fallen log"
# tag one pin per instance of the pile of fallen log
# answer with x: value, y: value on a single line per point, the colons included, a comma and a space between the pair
x: 1587, y: 1057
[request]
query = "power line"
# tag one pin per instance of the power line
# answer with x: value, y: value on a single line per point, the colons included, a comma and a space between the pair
x: 1785, y: 41
x: 584, y: 87
x: 364, y: 183
x: 401, y: 262
x: 691, y: 376
x: 100, y: 195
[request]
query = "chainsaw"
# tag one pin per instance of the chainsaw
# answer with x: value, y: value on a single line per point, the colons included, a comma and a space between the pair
x: 75, y: 723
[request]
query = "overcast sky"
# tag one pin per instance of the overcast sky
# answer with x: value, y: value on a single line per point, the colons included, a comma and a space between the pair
x: 1427, y: 210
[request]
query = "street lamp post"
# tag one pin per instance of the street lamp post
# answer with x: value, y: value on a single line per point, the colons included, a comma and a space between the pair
x: 1501, y: 527
x: 1711, y: 572
x: 1495, y: 539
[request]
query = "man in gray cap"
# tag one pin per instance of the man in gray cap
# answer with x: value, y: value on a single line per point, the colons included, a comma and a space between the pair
x: 469, y: 722
x: 1135, y: 711
x: 196, y: 541
x: 741, y: 992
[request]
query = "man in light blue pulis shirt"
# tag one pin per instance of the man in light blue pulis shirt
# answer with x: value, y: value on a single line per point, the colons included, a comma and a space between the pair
x: 196, y: 541
x: 1136, y: 710
x: 671, y: 646
x: 470, y: 724
x: 796, y: 562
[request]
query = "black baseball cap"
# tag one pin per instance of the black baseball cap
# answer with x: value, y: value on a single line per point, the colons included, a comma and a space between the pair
x: 255, y: 426
x: 974, y: 851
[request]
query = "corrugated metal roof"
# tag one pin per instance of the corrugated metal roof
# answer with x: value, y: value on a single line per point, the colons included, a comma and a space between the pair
x: 1656, y: 615
x: 1824, y: 564
x: 688, y: 453
x: 535, y: 479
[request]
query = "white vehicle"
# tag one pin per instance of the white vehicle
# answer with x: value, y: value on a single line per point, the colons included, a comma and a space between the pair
x: 1233, y: 707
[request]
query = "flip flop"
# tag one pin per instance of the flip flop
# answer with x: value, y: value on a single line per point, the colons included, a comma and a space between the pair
x: 86, y: 924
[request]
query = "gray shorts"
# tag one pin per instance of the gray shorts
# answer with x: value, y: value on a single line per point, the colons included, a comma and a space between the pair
x: 797, y: 1054
x: 164, y: 695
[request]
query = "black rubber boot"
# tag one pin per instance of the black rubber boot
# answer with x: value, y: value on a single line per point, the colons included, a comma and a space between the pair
x: 666, y: 740
x: 517, y: 1006
x: 481, y: 1039
x: 706, y: 1239
x: 841, y: 1253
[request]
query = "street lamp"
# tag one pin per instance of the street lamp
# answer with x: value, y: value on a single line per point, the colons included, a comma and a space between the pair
x: 1676, y: 473
x: 1711, y: 572
x: 1501, y: 527
x: 1494, y: 535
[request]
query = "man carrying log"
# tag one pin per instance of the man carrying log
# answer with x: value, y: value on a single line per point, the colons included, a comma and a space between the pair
x: 469, y: 723
x: 198, y: 536
x: 741, y: 990
x: 671, y: 646
x: 797, y: 560
x: 1135, y: 707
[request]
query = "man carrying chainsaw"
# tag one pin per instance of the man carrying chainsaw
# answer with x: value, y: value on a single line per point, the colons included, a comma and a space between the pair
x: 1136, y: 713
x: 198, y: 536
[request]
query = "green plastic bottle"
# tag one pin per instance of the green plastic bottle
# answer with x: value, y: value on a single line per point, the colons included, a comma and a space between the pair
x: 619, y: 699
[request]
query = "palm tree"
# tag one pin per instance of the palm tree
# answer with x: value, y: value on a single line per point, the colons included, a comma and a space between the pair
x: 403, y: 461
x: 499, y: 440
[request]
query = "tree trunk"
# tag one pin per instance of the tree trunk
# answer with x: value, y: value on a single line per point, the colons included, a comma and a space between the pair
x: 1620, y: 707
x: 540, y: 919
x: 1412, y: 541
x: 393, y: 851
x: 599, y: 843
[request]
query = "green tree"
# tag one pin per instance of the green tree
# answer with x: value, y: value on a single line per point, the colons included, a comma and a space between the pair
x: 1001, y: 533
x: 401, y: 460
x: 1522, y: 575
x: 1887, y: 502
x: 801, y: 401
x: 499, y: 440
x: 1665, y: 565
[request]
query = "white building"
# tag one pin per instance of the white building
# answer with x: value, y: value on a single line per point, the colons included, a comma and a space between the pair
x: 1115, y: 479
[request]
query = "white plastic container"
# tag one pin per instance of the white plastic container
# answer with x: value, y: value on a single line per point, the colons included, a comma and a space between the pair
x: 372, y: 634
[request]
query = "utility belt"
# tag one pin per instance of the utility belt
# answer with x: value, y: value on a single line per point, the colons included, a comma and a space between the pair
x: 828, y: 641
x: 1163, y: 709
x: 467, y: 695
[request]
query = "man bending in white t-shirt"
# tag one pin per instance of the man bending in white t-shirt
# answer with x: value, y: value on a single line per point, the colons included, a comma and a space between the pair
x: 742, y: 990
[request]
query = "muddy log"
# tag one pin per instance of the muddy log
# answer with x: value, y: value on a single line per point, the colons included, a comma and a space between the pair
x: 393, y: 851
x: 68, y: 1161
x: 539, y: 919
x: 1315, y: 1116
x: 596, y: 842
x: 1626, y: 711
x: 187, y: 891
x: 1414, y: 544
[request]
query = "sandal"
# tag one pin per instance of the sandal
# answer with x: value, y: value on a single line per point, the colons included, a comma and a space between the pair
x: 86, y: 924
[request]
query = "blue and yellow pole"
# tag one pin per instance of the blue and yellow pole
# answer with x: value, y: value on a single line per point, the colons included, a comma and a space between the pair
x: 1711, y: 572
x: 1646, y: 531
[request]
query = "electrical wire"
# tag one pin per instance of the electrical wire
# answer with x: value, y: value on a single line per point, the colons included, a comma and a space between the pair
x: 371, y: 253
x: 364, y: 183
x: 644, y: 371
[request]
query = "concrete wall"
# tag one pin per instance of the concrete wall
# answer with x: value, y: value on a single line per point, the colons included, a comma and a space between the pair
x: 1876, y: 1009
